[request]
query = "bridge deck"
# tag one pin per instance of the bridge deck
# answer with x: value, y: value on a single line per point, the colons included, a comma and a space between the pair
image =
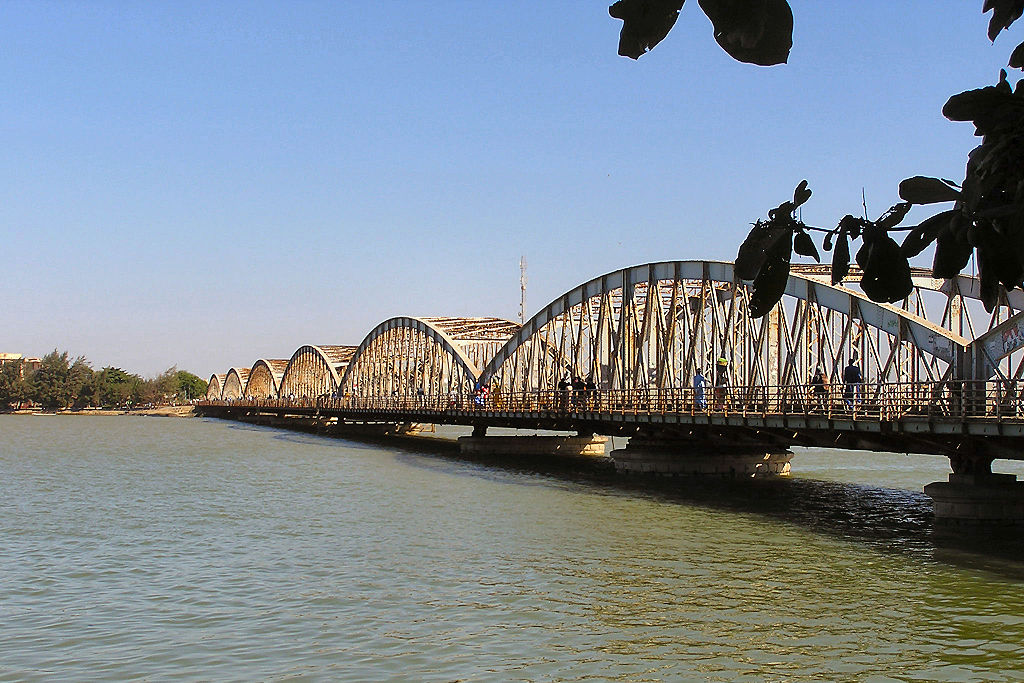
x: 923, y: 418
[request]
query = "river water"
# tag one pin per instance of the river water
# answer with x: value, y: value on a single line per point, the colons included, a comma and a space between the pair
x: 161, y: 549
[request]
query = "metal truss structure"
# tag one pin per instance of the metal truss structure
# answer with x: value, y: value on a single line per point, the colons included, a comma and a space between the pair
x: 654, y: 326
x: 234, y: 383
x: 265, y: 378
x: 214, y: 388
x: 315, y: 370
x: 435, y: 356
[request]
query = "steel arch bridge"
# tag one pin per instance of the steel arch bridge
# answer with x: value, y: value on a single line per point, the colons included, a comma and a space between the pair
x: 622, y: 354
x: 654, y: 326
x: 639, y: 335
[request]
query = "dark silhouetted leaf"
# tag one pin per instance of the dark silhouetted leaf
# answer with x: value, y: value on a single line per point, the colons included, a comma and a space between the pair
x: 886, y: 271
x: 852, y: 225
x: 841, y: 258
x: 804, y: 245
x: 801, y: 194
x: 770, y: 283
x: 1004, y: 13
x: 991, y: 108
x: 923, y: 190
x: 952, y: 250
x: 644, y: 23
x: 760, y: 241
x: 995, y: 260
x: 925, y: 233
x: 1017, y: 57
x: 894, y: 216
x: 752, y: 31
x: 989, y: 268
x: 826, y: 243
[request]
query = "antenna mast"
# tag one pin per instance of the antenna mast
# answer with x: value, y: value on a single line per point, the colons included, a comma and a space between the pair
x: 522, y: 288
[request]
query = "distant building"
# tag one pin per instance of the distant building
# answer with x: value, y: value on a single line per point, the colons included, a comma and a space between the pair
x: 29, y: 364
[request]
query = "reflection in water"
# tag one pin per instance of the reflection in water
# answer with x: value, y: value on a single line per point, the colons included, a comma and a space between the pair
x: 190, y: 549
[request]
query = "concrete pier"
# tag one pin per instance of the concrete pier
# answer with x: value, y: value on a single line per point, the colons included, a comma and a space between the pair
x: 692, y: 458
x: 978, y: 502
x: 561, y: 446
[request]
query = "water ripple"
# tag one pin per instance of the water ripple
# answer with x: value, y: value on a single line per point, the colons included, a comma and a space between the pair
x: 196, y: 550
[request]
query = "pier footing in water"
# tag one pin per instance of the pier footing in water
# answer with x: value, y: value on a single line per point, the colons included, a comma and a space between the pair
x: 563, y: 446
x: 691, y: 458
x: 978, y: 501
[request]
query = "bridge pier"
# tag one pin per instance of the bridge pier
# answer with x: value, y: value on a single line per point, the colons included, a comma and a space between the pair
x: 561, y: 446
x: 975, y: 499
x: 700, y: 457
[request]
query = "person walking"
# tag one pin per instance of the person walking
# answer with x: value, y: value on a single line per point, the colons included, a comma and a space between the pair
x: 852, y: 380
x: 721, y: 383
x: 700, y: 384
x: 819, y: 389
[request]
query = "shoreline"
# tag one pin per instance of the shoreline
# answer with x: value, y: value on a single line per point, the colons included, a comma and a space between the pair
x: 161, y: 411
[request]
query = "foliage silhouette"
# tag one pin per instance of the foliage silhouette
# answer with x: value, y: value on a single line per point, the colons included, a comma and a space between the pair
x: 987, y: 218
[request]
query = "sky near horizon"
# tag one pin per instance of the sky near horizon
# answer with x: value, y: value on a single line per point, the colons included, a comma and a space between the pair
x: 203, y: 184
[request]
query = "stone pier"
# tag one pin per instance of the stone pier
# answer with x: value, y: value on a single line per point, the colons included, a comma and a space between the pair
x: 561, y: 446
x: 982, y: 501
x: 692, y: 457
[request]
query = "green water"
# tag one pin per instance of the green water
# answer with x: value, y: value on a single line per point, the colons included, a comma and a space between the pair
x: 160, y: 549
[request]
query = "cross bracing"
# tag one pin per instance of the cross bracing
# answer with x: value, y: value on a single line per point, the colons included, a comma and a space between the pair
x: 215, y: 387
x: 315, y: 370
x: 234, y: 383
x: 655, y: 326
x: 265, y: 378
x: 406, y: 356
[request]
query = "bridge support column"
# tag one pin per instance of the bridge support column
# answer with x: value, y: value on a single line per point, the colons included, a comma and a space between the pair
x: 690, y: 457
x: 562, y: 446
x: 978, y: 502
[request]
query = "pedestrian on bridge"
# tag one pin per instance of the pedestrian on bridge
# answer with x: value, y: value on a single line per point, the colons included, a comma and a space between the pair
x: 852, y: 381
x: 819, y: 388
x: 564, y: 387
x: 721, y: 383
x: 700, y: 384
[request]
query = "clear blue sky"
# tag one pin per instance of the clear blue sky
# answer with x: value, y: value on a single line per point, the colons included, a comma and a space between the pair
x: 207, y: 183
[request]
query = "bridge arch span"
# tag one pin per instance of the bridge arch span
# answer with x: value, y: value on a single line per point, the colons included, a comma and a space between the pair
x: 265, y: 378
x: 654, y: 325
x: 234, y: 383
x: 314, y: 370
x: 439, y: 355
x: 215, y: 387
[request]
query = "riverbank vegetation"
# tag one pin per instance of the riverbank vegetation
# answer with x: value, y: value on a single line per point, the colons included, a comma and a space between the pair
x: 61, y: 383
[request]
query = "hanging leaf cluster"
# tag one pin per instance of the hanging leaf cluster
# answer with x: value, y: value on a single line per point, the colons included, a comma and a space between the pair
x: 766, y: 253
x: 752, y: 31
x: 987, y: 217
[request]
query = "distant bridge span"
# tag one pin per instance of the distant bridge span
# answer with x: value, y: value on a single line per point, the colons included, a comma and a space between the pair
x: 619, y: 354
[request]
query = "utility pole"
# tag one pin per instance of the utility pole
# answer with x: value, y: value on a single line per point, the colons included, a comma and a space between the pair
x: 522, y: 288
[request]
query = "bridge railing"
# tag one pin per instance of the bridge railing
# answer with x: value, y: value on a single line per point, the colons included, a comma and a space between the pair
x: 868, y: 401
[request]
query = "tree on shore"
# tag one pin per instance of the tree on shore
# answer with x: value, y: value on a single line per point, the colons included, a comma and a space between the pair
x: 13, y: 388
x: 986, y: 219
x: 60, y: 383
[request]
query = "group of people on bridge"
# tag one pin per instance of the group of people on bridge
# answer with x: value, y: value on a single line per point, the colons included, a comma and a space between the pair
x: 852, y: 379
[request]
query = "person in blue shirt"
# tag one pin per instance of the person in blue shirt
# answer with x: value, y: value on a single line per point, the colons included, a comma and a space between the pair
x: 699, y: 385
